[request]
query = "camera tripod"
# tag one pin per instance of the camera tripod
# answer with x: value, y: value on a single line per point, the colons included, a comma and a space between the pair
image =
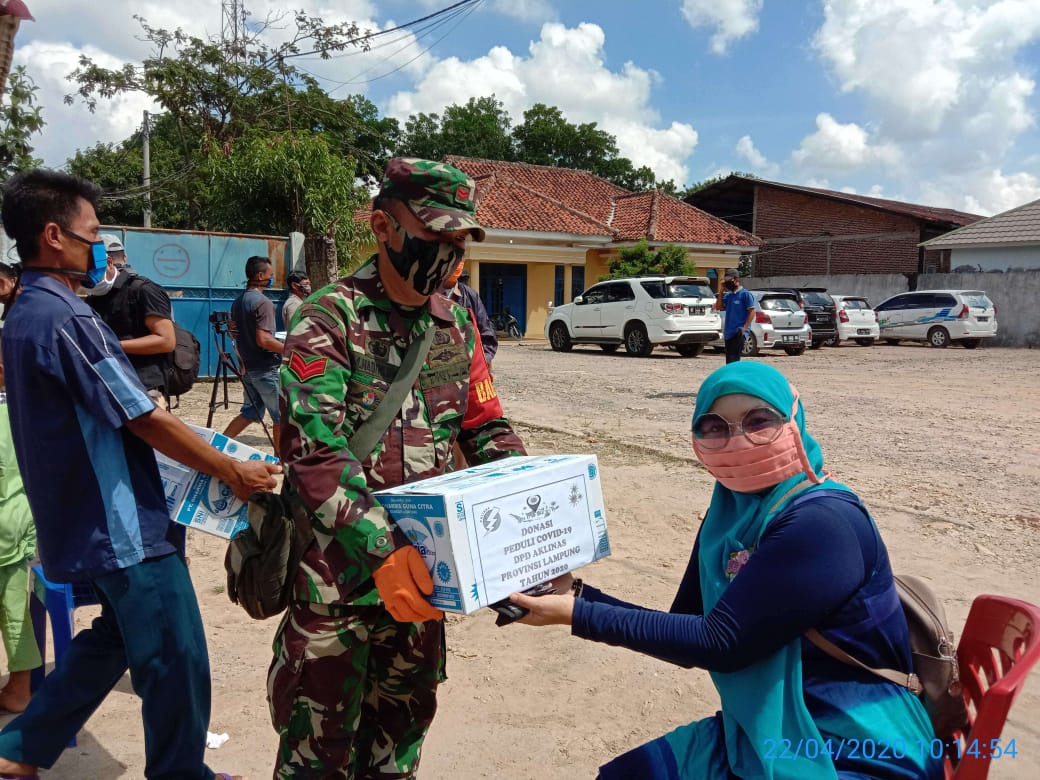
x: 226, y: 363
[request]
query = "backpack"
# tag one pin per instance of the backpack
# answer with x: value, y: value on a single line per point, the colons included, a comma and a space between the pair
x: 261, y: 561
x: 934, y: 655
x: 935, y: 678
x: 182, y: 366
x: 936, y: 675
x: 183, y: 369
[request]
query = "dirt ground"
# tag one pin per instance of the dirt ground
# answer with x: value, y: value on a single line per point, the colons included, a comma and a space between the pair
x: 941, y: 444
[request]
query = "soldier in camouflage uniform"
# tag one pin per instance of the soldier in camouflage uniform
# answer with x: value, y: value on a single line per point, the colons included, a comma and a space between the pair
x: 360, y: 653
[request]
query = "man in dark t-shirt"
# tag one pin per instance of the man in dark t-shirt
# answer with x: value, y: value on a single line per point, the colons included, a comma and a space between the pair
x: 138, y: 311
x: 253, y: 321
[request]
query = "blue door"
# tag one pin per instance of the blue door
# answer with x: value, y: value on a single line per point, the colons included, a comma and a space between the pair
x: 503, y: 287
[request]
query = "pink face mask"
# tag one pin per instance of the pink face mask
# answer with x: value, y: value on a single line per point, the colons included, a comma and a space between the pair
x: 745, y: 467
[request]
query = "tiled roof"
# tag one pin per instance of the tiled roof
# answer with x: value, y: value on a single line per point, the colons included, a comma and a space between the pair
x: 580, y: 190
x: 1020, y: 225
x: 509, y: 205
x: 660, y: 217
x: 541, y: 198
x: 910, y: 209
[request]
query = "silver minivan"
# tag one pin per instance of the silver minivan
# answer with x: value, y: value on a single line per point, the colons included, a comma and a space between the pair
x: 938, y: 317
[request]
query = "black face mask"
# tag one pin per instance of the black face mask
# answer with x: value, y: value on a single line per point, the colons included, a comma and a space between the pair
x: 423, y: 263
x: 730, y: 284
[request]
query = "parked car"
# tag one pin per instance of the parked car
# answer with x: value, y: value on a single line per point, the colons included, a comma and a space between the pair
x: 779, y: 323
x: 641, y: 313
x: 938, y: 317
x: 856, y: 321
x: 819, y: 307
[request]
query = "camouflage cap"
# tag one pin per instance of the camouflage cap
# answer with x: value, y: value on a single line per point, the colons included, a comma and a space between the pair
x: 438, y: 194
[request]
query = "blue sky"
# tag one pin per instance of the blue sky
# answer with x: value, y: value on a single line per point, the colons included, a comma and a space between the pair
x: 930, y: 101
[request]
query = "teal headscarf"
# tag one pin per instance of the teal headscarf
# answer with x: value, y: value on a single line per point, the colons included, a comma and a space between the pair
x: 762, y: 703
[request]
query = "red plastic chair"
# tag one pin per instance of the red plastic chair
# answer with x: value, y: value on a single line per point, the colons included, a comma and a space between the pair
x: 1000, y: 644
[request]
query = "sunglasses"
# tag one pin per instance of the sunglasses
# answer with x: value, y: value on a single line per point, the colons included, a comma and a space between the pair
x: 761, y: 425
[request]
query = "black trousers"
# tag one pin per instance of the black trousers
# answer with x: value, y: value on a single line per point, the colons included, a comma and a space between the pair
x: 734, y: 344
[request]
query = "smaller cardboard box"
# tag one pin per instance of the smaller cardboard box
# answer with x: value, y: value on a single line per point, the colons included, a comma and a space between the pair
x: 201, y: 501
x: 501, y: 527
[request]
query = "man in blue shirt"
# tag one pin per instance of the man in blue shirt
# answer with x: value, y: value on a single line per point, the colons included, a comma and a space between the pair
x: 84, y: 430
x: 740, y: 313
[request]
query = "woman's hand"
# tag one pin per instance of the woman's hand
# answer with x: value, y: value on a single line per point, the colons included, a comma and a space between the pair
x: 545, y: 610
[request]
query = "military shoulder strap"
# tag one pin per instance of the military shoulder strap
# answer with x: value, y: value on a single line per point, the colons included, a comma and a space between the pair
x: 374, y: 428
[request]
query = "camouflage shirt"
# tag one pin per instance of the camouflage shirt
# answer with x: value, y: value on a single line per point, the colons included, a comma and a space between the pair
x: 346, y: 345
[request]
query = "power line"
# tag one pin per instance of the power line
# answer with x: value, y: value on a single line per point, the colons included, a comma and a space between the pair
x: 379, y: 33
x: 412, y: 37
x: 462, y: 18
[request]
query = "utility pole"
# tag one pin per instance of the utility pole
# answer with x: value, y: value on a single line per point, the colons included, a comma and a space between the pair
x: 146, y: 155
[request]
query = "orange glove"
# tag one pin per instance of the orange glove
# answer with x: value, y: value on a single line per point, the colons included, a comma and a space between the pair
x: 401, y: 581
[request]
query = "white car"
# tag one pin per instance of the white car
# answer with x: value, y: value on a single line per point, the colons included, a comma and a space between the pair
x: 938, y: 317
x: 641, y: 313
x: 856, y: 321
x: 780, y: 322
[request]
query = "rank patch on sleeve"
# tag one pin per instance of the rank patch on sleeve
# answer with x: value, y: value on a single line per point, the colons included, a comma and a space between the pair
x: 307, y: 368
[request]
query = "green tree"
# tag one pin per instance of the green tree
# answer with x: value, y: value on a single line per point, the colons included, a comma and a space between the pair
x: 179, y: 199
x: 20, y: 119
x: 639, y: 258
x: 422, y: 137
x: 478, y: 129
x: 288, y: 182
x: 545, y: 137
x: 213, y: 93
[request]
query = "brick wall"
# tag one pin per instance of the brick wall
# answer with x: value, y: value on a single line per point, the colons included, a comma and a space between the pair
x: 782, y: 214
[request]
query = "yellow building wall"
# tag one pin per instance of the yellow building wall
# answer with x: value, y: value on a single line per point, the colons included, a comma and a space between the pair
x: 541, y: 286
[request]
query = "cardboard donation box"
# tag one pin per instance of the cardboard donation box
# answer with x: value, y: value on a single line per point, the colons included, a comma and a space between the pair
x: 490, y: 530
x: 201, y: 501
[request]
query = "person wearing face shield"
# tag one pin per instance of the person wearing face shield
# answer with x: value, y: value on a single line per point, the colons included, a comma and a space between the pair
x: 358, y: 658
x: 783, y: 549
x: 139, y: 312
x: 299, y: 288
x: 85, y: 434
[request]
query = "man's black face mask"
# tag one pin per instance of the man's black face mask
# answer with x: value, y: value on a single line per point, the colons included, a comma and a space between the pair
x: 424, y: 264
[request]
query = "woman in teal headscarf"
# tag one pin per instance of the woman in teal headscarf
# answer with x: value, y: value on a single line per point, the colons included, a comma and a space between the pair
x: 782, y: 549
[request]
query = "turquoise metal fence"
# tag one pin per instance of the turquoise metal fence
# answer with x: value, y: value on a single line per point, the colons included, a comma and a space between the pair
x: 203, y: 273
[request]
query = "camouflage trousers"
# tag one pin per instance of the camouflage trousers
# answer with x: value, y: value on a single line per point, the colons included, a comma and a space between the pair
x: 352, y: 692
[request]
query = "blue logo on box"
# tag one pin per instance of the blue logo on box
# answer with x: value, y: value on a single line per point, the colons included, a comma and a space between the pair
x: 444, y: 572
x: 438, y: 528
x: 592, y: 471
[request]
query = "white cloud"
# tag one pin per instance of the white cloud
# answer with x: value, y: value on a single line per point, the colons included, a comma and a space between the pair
x: 987, y: 193
x: 71, y: 126
x: 943, y: 81
x: 731, y: 19
x: 524, y: 10
x: 746, y: 150
x: 45, y: 47
x: 589, y: 92
x: 842, y: 148
x: 923, y: 64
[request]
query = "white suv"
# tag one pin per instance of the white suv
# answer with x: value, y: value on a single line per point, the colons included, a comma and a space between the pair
x: 938, y: 317
x: 641, y: 312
